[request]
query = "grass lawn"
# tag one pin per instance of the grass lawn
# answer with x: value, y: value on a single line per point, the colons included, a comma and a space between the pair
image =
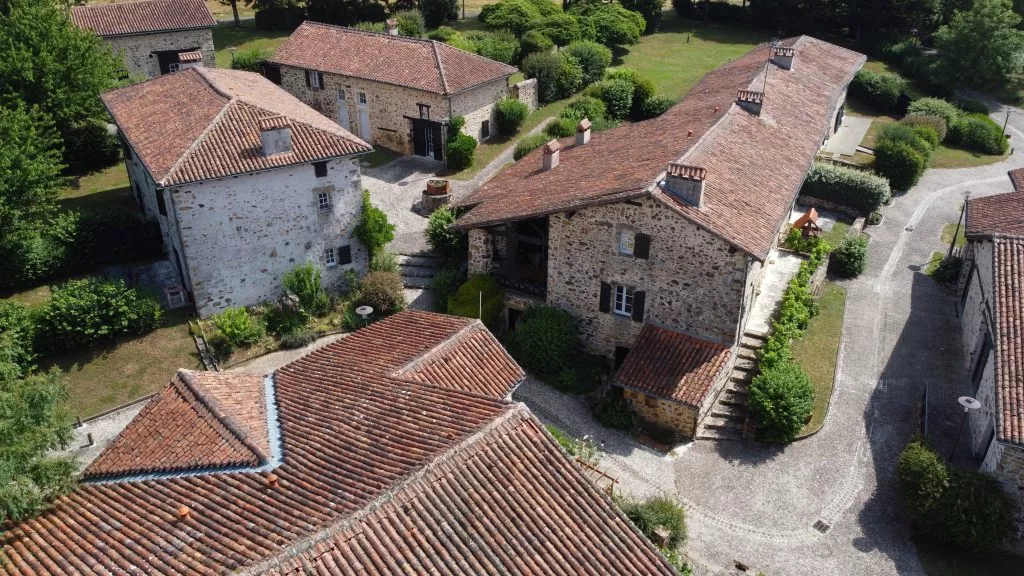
x: 933, y: 263
x: 944, y: 560
x: 949, y: 230
x: 244, y: 37
x: 32, y: 297
x: 817, y: 350
x: 107, y: 188
x: 835, y: 236
x: 113, y: 373
x: 943, y: 157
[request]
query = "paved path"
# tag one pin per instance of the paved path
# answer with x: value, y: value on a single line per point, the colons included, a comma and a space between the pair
x: 849, y: 135
x: 757, y: 504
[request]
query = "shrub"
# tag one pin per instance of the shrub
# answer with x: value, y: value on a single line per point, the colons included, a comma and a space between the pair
x: 514, y: 15
x: 584, y: 107
x: 973, y: 513
x: 250, y: 59
x: 384, y: 262
x: 437, y: 12
x: 936, y: 123
x: 306, y: 282
x: 81, y: 312
x: 445, y: 283
x: 592, y: 57
x: 934, y: 107
x: 643, y: 88
x: 560, y: 128
x: 904, y: 133
x: 238, y: 328
x: 857, y: 189
x: 546, y: 67
x: 370, y: 26
x: 972, y: 106
x: 529, y: 144
x: 479, y: 297
x: 410, y: 23
x: 455, y: 126
x: 613, y: 412
x: 617, y: 95
x: 948, y: 269
x: 922, y: 477
x: 796, y: 241
x: 851, y: 257
x: 500, y: 45
x: 880, y: 91
x: 460, y: 152
x: 570, y: 77
x: 283, y: 322
x: 443, y: 33
x: 561, y: 28
x: 89, y: 145
x: 658, y: 511
x: 382, y: 291
x: 602, y: 124
x: 979, y: 133
x: 782, y: 399
x: 900, y: 163
x: 544, y: 340
x: 613, y: 24
x: 534, y: 42
x: 509, y: 115
x: 298, y: 339
x: 654, y: 106
x: 444, y: 241
x: 17, y: 330
x: 373, y: 228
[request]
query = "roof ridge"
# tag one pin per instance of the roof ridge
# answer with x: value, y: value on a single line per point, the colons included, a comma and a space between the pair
x: 199, y: 140
x: 440, y: 66
x: 453, y: 338
x: 367, y: 32
x: 216, y: 409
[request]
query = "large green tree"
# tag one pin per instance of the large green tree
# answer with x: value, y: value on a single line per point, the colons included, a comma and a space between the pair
x: 981, y: 47
x: 30, y: 160
x: 48, y: 62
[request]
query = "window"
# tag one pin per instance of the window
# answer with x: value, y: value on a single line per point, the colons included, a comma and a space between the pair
x: 320, y: 169
x: 173, y: 67
x: 344, y: 255
x: 424, y: 110
x: 329, y: 257
x: 161, y: 206
x: 315, y: 79
x: 627, y: 240
x: 341, y: 94
x: 485, y: 130
x: 362, y: 97
x: 623, y: 301
x: 323, y: 200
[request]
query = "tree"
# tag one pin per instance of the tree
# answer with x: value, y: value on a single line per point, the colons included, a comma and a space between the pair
x: 981, y: 48
x: 437, y: 12
x: 782, y: 398
x: 49, y: 63
x: 30, y: 160
x: 613, y: 24
x: 346, y: 12
x: 234, y: 9
x: 649, y: 9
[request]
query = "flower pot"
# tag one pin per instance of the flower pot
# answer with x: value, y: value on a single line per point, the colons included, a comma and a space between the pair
x: 437, y: 187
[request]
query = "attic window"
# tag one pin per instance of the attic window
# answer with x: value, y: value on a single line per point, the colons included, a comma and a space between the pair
x: 320, y: 169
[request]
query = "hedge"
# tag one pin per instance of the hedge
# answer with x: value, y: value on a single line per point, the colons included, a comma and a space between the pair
x: 851, y: 187
x: 900, y: 163
x: 934, y: 107
x: 617, y: 95
x: 460, y: 152
x: 557, y: 75
x: 479, y: 297
x: 654, y: 106
x: 509, y: 115
x: 560, y: 128
x: 544, y: 341
x: 936, y: 123
x: 978, y: 133
x: 880, y: 91
x: 529, y: 144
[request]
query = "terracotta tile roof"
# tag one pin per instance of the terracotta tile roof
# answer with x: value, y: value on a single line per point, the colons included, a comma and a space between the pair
x: 204, y: 123
x: 673, y: 365
x: 142, y: 17
x: 997, y: 215
x: 193, y: 56
x: 201, y: 421
x: 755, y: 165
x: 1009, y: 320
x: 472, y: 360
x: 1017, y: 179
x: 393, y: 471
x: 421, y: 64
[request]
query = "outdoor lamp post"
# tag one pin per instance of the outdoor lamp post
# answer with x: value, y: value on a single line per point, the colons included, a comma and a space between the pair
x: 365, y: 312
x: 968, y: 404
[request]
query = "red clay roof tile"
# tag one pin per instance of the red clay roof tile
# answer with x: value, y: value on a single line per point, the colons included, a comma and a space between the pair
x: 1000, y: 214
x: 142, y: 17
x: 1017, y: 179
x: 1009, y: 320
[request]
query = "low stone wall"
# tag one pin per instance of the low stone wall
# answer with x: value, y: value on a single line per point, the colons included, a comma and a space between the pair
x: 663, y: 413
x: 526, y: 92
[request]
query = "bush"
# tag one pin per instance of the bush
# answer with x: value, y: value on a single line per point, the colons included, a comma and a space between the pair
x: 544, y: 340
x: 89, y: 145
x: 900, y: 163
x: 782, y: 399
x: 850, y: 258
x: 948, y: 269
x: 460, y: 152
x: 560, y: 128
x: 926, y: 133
x: 654, y: 106
x: 500, y: 45
x: 455, y: 126
x: 81, y: 312
x: 936, y: 123
x: 250, y: 59
x: 602, y: 124
x: 904, y: 133
x: 373, y: 228
x: 283, y: 322
x: 658, y: 511
x: 570, y: 77
x: 382, y: 291
x: 529, y: 144
x: 973, y: 513
x: 306, y: 282
x: 922, y: 477
x: 978, y: 133
x: 17, y: 331
x: 238, y: 328
x: 613, y: 412
x: 880, y: 91
x: 643, y: 88
x: 514, y: 15
x: 973, y: 106
x: 509, y: 115
x: 445, y: 241
x: 617, y: 95
x: 592, y: 57
x: 445, y: 283
x: 410, y: 23
x: 468, y: 302
x: 298, y: 339
x: 934, y: 107
x: 584, y: 107
x: 851, y: 187
x: 613, y: 24
x: 561, y: 28
x: 533, y: 42
x: 443, y: 33
x: 370, y: 27
x: 546, y: 67
x: 384, y: 262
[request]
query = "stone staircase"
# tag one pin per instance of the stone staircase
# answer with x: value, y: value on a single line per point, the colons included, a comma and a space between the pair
x: 418, y: 270
x: 728, y: 417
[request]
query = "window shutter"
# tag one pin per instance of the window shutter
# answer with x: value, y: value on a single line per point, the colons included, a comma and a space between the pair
x: 307, y: 79
x: 345, y: 255
x: 605, y: 304
x: 641, y: 246
x: 638, y: 305
x: 320, y: 79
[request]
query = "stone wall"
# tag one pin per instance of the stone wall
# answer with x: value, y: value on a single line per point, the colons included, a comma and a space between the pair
x: 526, y: 92
x: 663, y: 413
x: 1006, y: 463
x: 138, y: 50
x: 476, y: 105
x: 481, y: 254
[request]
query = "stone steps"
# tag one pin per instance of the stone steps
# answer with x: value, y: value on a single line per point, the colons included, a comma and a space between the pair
x: 720, y: 434
x: 729, y: 416
x: 417, y: 270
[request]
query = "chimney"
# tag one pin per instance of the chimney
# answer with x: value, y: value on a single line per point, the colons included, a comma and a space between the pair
x: 686, y: 183
x: 551, y: 155
x: 391, y: 26
x: 783, y: 57
x: 583, y: 132
x: 750, y: 101
x: 275, y: 135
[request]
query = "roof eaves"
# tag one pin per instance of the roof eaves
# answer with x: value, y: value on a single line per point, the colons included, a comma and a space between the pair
x: 610, y: 197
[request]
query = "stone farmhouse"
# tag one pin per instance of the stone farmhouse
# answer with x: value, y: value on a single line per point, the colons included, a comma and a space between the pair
x: 655, y: 235
x: 377, y: 454
x: 153, y: 37
x: 992, y: 315
x: 391, y: 90
x: 246, y: 182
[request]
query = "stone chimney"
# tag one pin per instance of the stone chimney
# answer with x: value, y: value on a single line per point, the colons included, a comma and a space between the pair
x: 783, y: 57
x: 551, y: 155
x: 583, y: 132
x: 275, y: 135
x: 750, y: 101
x: 391, y: 26
x: 686, y: 183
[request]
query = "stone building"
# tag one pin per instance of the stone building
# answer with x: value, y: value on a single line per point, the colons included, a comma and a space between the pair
x: 153, y: 37
x: 246, y: 182
x: 392, y: 91
x: 655, y: 234
x: 992, y: 316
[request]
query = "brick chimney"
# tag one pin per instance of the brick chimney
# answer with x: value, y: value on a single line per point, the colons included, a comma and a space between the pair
x: 551, y: 155
x: 391, y: 26
x: 750, y: 101
x: 685, y: 183
x: 275, y: 135
x: 583, y: 132
x: 783, y: 57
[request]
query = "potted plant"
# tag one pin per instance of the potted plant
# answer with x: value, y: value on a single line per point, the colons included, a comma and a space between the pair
x: 437, y: 187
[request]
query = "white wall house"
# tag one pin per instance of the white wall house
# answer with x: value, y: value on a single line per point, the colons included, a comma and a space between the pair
x: 246, y: 182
